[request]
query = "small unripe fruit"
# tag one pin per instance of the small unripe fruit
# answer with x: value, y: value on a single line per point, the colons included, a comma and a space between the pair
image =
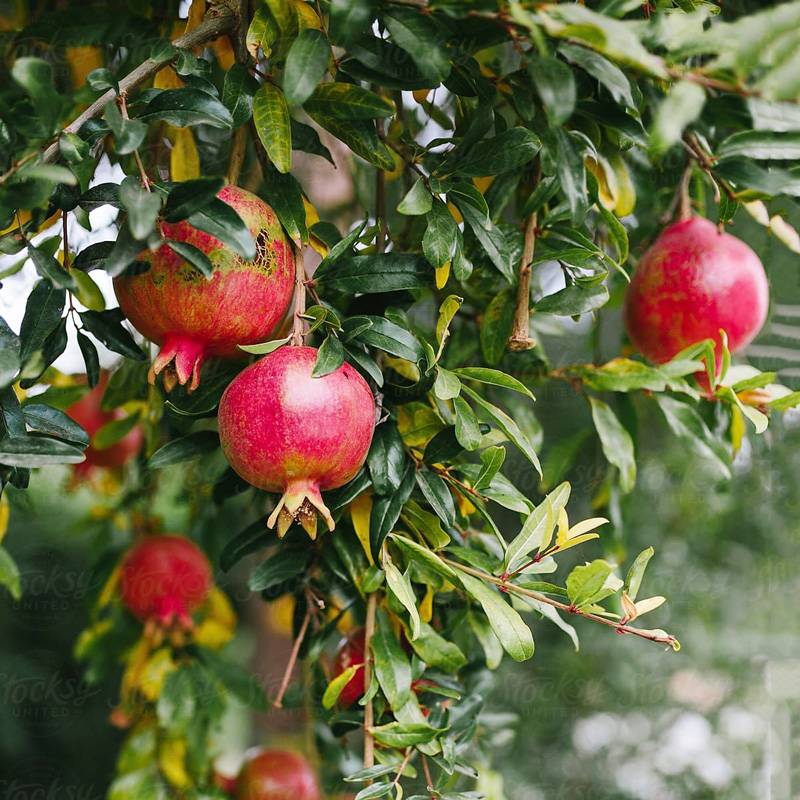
x: 285, y: 431
x: 191, y: 317
x: 349, y: 654
x: 277, y: 775
x: 692, y: 282
x: 88, y: 414
x: 165, y: 578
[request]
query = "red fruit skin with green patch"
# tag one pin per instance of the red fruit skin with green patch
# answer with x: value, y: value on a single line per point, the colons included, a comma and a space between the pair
x: 277, y: 775
x: 350, y: 653
x: 691, y: 282
x: 165, y: 578
x: 88, y: 414
x: 285, y: 431
x: 193, y: 318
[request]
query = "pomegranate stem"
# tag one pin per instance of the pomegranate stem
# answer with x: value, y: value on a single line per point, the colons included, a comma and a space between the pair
x: 520, y: 338
x: 369, y: 631
x: 287, y: 674
x: 299, y: 307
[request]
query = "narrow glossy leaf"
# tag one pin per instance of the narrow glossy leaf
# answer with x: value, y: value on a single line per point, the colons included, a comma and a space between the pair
x: 438, y: 496
x: 400, y: 736
x: 286, y: 199
x: 305, y: 138
x: 238, y: 92
x: 184, y: 107
x: 468, y: 430
x: 403, y: 591
x: 386, y: 511
x: 253, y: 538
x: 49, y: 268
x: 186, y: 197
x: 283, y: 565
x: 142, y: 207
x: 417, y: 201
x: 509, y: 150
x: 491, y: 238
x: 492, y: 459
x: 35, y: 451
x: 573, y: 300
x: 271, y: 118
x: 93, y: 257
x: 9, y: 574
x: 633, y: 581
x: 496, y: 325
x: 392, y: 666
x: 346, y: 101
x: 437, y: 651
x: 493, y: 377
x: 440, y: 235
x: 44, y: 419
x: 306, y: 65
x: 390, y: 272
x: 761, y: 146
x: 221, y: 220
x: 9, y: 354
x: 608, y: 74
x: 360, y: 135
x: 389, y: 337
x: 107, y: 327
x: 571, y: 171
x: 196, y: 257
x: 616, y: 441
x: 681, y: 107
x: 330, y: 356
x: 386, y: 458
x: 423, y: 38
x: 415, y: 552
x: 349, y: 18
x: 42, y: 314
x: 183, y: 449
x: 555, y: 84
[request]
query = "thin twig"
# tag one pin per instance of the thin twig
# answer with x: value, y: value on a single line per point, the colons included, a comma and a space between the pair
x: 520, y: 338
x: 684, y: 197
x: 239, y: 141
x: 123, y: 104
x: 510, y: 587
x: 209, y: 29
x: 380, y: 193
x: 706, y: 163
x: 287, y: 675
x: 369, y: 631
x: 409, y: 753
x: 426, y: 769
x: 299, y: 306
x: 15, y: 167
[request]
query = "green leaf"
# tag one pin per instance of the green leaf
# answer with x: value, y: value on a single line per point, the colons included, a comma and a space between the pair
x: 440, y: 235
x: 468, y: 430
x: 447, y: 385
x: 128, y: 134
x: 416, y: 553
x: 388, y: 336
x: 399, y: 736
x: 376, y: 790
x: 253, y: 538
x: 616, y: 441
x: 106, y: 327
x: 555, y: 84
x: 386, y: 458
x: 359, y: 135
x: 189, y: 196
x: 238, y: 92
x: 283, y: 565
x: 102, y: 79
x: 54, y: 422
x: 608, y: 74
x: 761, y: 146
x: 35, y: 451
x: 635, y: 574
x: 286, y: 199
x: 423, y: 38
x: 537, y: 529
x: 246, y: 688
x: 492, y: 459
x: 493, y: 377
x: 176, y: 704
x: 306, y: 65
x: 221, y: 220
x: 9, y: 354
x: 336, y: 686
x: 571, y: 171
x: 436, y: 651
x: 390, y: 272
x: 271, y: 118
x: 692, y: 431
x: 492, y: 648
x: 779, y: 117
x: 392, y: 667
x: 72, y: 148
x: 346, y: 101
x: 508, y: 626
x: 185, y: 448
x: 512, y: 149
x: 9, y: 574
x: 330, y: 356
x: 417, y: 201
x: 401, y: 587
x: 142, y: 207
x: 196, y: 257
x: 42, y: 314
x: 184, y: 107
x: 438, y: 496
x: 497, y: 324
x: 49, y: 268
x: 386, y: 511
x: 573, y: 300
x: 508, y: 426
x: 592, y: 583
x: 349, y: 18
x: 114, y: 430
x: 305, y: 138
x: 682, y: 106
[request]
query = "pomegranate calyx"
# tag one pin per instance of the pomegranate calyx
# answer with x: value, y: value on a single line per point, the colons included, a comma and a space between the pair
x: 300, y: 501
x: 180, y: 360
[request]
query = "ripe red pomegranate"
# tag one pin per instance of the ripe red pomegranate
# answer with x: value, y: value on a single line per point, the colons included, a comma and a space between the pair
x: 350, y: 653
x: 277, y: 775
x: 691, y: 282
x: 88, y: 414
x: 191, y: 317
x: 165, y: 578
x: 284, y: 431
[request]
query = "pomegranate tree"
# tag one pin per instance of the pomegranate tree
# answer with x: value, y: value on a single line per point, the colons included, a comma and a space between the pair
x: 277, y: 775
x: 164, y: 578
x: 692, y: 282
x: 91, y: 417
x: 285, y: 431
x: 191, y: 317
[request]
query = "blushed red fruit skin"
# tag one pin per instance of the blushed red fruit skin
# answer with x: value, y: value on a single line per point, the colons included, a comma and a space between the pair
x: 350, y: 653
x: 690, y: 283
x: 284, y: 431
x: 173, y: 305
x: 165, y: 577
x: 88, y: 414
x: 277, y: 775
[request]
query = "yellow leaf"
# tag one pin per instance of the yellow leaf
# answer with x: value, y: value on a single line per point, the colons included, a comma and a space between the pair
x: 154, y: 672
x: 136, y: 659
x: 455, y: 213
x: 421, y: 95
x: 737, y: 428
x: 785, y: 233
x: 197, y: 11
x: 574, y: 541
x: 426, y: 606
x: 317, y: 244
x: 280, y: 614
x: 418, y: 423
x: 650, y: 604
x: 306, y: 17
x: 82, y: 60
x: 483, y: 183
x: 586, y: 525
x: 88, y: 292
x: 758, y: 211
x: 89, y: 636
x: 407, y: 369
x: 4, y: 514
x: 167, y: 78
x: 219, y: 608
x: 606, y: 181
x: 360, y: 511
x: 110, y: 588
x: 212, y: 634
x: 172, y: 760
x: 465, y: 507
x: 442, y: 274
x: 626, y: 193
x: 563, y: 527
x: 184, y: 161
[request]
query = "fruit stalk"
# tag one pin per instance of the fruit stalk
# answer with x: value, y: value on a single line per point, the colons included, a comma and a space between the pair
x: 520, y: 338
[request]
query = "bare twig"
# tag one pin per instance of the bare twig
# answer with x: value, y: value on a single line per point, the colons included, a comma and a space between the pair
x: 369, y: 631
x: 510, y: 587
x: 239, y: 141
x: 706, y: 163
x: 299, y: 306
x: 520, y: 338
x: 426, y: 769
x: 209, y: 29
x: 287, y: 674
x: 15, y: 167
x: 409, y: 753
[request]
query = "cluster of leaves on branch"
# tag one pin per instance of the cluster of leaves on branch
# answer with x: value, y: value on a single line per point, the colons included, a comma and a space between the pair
x: 538, y: 136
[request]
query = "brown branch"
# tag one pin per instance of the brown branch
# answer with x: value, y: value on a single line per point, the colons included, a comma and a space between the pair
x: 209, y: 29
x: 299, y: 306
x: 369, y: 631
x: 706, y: 163
x: 239, y: 142
x: 287, y: 674
x: 426, y: 769
x: 510, y: 587
x: 521, y: 333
